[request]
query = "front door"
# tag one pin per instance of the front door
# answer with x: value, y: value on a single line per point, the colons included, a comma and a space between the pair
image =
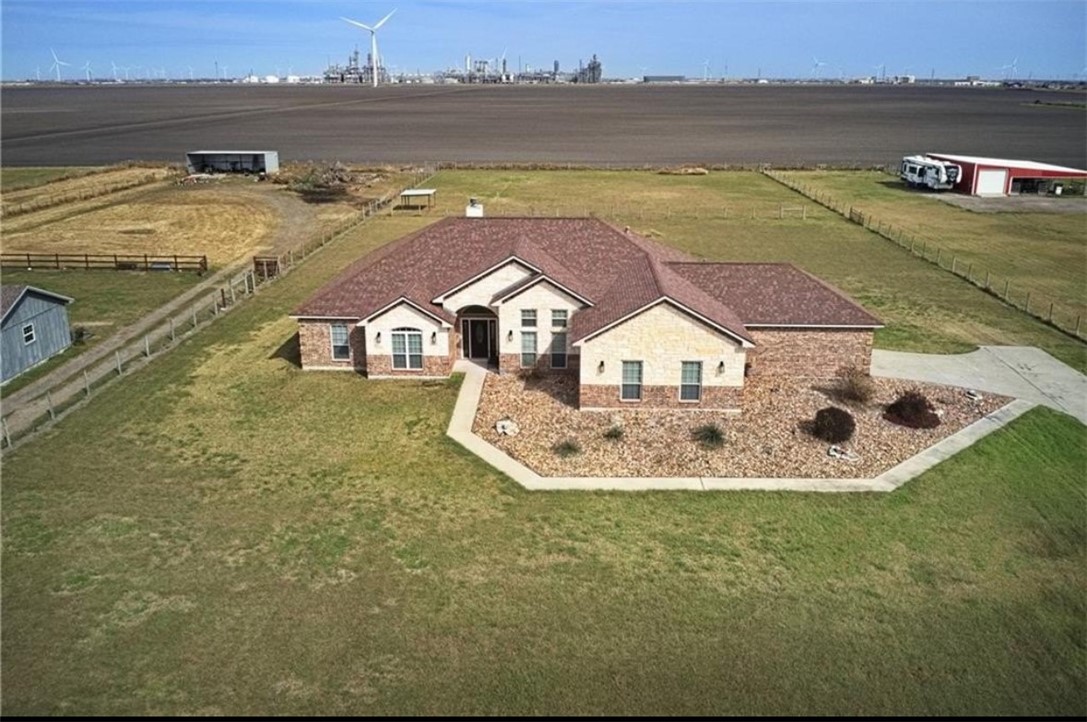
x: 478, y: 338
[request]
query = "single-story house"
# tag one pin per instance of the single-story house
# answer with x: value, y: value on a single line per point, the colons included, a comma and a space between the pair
x: 33, y: 328
x: 641, y: 324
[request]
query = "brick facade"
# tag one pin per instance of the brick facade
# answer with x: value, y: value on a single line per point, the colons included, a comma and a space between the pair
x: 510, y: 363
x: 382, y: 365
x: 315, y: 346
x: 727, y: 398
x: 808, y: 353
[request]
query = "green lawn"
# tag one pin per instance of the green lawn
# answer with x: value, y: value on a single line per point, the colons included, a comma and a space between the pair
x: 14, y: 179
x: 1045, y: 253
x: 222, y: 533
x: 735, y: 216
x: 105, y: 301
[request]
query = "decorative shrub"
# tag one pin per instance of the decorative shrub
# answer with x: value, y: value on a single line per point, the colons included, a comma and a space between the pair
x: 833, y: 425
x: 567, y: 448
x: 614, y: 433
x: 709, y: 435
x: 913, y: 411
x: 79, y: 334
x: 856, y: 385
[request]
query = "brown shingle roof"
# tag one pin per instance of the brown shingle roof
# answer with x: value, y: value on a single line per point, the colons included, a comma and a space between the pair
x: 618, y: 272
x: 775, y: 294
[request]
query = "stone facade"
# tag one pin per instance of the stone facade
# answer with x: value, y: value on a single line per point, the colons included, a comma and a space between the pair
x: 725, y: 398
x: 662, y: 338
x: 377, y: 366
x: 315, y: 346
x: 807, y: 352
x: 510, y: 363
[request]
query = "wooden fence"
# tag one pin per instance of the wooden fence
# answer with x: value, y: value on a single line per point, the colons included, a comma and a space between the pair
x: 69, y: 393
x: 1039, y: 305
x: 107, y: 261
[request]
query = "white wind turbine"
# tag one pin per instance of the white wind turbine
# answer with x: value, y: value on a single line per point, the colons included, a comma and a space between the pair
x: 705, y: 70
x: 87, y: 70
x: 373, y: 41
x: 57, y: 62
x: 1013, y: 66
x: 816, y: 64
x: 114, y: 70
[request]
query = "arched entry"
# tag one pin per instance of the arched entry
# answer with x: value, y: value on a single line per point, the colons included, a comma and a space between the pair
x: 478, y: 327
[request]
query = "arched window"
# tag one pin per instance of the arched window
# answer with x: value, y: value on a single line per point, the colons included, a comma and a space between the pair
x: 407, y: 348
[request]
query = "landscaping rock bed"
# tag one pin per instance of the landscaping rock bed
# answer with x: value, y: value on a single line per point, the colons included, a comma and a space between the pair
x: 767, y: 440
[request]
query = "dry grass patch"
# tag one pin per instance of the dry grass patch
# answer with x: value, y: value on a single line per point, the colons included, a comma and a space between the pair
x: 212, y: 221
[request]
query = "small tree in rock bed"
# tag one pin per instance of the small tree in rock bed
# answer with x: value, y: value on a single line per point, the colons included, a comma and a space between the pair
x: 709, y: 435
x: 913, y: 411
x: 856, y: 385
x: 833, y: 425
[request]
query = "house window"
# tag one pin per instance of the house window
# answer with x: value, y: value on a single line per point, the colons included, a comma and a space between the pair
x: 558, y: 318
x: 407, y: 348
x: 28, y: 334
x: 632, y: 381
x: 528, y: 318
x: 528, y: 349
x: 341, y: 351
x: 690, y: 383
x: 558, y: 350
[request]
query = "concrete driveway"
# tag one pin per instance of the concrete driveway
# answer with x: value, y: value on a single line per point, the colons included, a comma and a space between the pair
x: 1024, y: 372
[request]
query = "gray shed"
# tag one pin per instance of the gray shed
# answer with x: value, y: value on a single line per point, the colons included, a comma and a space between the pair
x: 232, y: 161
x: 33, y: 328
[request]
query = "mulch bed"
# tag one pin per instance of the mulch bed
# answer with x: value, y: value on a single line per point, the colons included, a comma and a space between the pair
x: 766, y: 440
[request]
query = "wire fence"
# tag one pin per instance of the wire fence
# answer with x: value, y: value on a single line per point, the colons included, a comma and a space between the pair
x: 69, y: 393
x: 1038, y: 304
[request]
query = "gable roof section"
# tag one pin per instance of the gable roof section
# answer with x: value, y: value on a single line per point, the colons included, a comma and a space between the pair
x: 776, y: 294
x: 641, y: 284
x: 11, y: 295
x: 615, y: 272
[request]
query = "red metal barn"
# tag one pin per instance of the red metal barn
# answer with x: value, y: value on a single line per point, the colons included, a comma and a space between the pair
x: 1001, y: 177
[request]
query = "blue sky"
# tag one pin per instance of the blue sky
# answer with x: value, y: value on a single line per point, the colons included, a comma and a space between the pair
x: 631, y: 37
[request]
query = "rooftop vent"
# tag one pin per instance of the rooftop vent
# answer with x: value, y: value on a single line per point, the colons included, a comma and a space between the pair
x: 474, y: 209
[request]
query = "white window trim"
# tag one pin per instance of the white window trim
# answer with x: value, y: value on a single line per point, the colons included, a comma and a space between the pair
x: 641, y: 382
x: 33, y: 334
x: 701, y: 368
x: 332, y: 343
x: 406, y: 332
x: 566, y: 321
x: 535, y: 318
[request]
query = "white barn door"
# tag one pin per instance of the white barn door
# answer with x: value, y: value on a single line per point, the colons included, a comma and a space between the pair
x: 991, y: 182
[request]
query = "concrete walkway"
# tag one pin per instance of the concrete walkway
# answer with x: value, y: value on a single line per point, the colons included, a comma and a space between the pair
x: 1024, y: 372
x: 464, y: 413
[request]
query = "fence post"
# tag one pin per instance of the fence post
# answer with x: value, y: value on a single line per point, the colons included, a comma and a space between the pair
x: 970, y: 272
x: 49, y: 403
x: 7, y: 434
x: 1006, y: 289
x: 938, y: 252
x: 954, y: 261
x: 1027, y: 307
x: 146, y: 346
x: 194, y: 316
x: 232, y: 300
x: 117, y: 357
x: 986, y: 280
x: 86, y: 383
x: 173, y: 335
x: 1077, y: 325
x: 1050, y: 319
